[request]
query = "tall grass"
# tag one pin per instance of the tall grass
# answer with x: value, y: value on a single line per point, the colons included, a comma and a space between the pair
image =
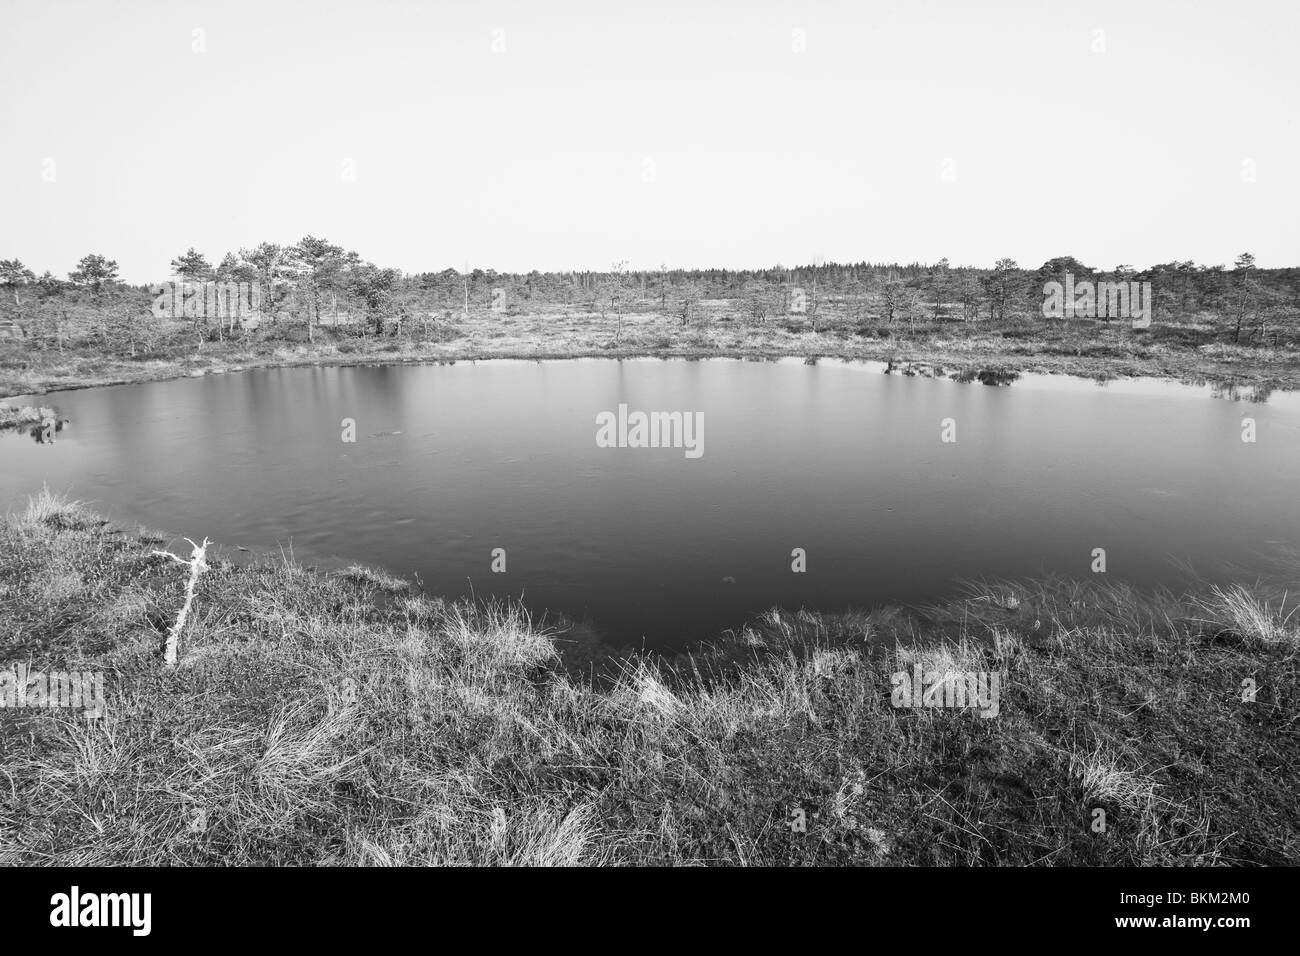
x: 1237, y: 611
x: 46, y: 507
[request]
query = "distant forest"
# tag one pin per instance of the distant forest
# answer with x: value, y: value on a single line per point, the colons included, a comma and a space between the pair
x: 314, y: 285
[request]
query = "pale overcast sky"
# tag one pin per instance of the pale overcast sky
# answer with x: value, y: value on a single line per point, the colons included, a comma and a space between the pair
x: 558, y: 135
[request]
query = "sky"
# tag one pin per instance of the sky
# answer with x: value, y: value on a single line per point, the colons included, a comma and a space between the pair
x: 572, y: 135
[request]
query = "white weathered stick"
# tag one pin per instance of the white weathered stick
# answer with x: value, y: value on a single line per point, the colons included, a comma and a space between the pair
x: 197, y: 564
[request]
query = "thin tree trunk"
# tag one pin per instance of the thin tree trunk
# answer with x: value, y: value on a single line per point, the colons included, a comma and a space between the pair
x: 197, y: 565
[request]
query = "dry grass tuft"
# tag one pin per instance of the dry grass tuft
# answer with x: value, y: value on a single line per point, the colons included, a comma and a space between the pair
x: 1237, y: 610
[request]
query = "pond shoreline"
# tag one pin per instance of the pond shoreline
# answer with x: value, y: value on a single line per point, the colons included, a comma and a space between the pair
x: 1023, y: 451
x: 931, y: 362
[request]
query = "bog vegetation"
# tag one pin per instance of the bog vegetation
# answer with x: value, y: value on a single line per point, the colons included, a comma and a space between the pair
x: 319, y: 302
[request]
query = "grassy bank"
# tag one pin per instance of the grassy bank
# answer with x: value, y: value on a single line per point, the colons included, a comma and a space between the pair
x: 347, y: 719
x: 1091, y: 349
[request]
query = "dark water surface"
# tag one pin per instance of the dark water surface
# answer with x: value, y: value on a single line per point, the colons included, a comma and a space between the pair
x: 453, y: 461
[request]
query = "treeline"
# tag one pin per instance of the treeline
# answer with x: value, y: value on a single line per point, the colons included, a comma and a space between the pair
x: 313, y: 283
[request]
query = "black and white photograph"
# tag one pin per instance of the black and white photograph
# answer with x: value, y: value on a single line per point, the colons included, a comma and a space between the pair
x: 837, y: 435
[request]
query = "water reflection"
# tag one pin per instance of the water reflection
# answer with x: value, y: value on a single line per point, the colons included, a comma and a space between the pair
x: 1254, y: 394
x: 44, y: 432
